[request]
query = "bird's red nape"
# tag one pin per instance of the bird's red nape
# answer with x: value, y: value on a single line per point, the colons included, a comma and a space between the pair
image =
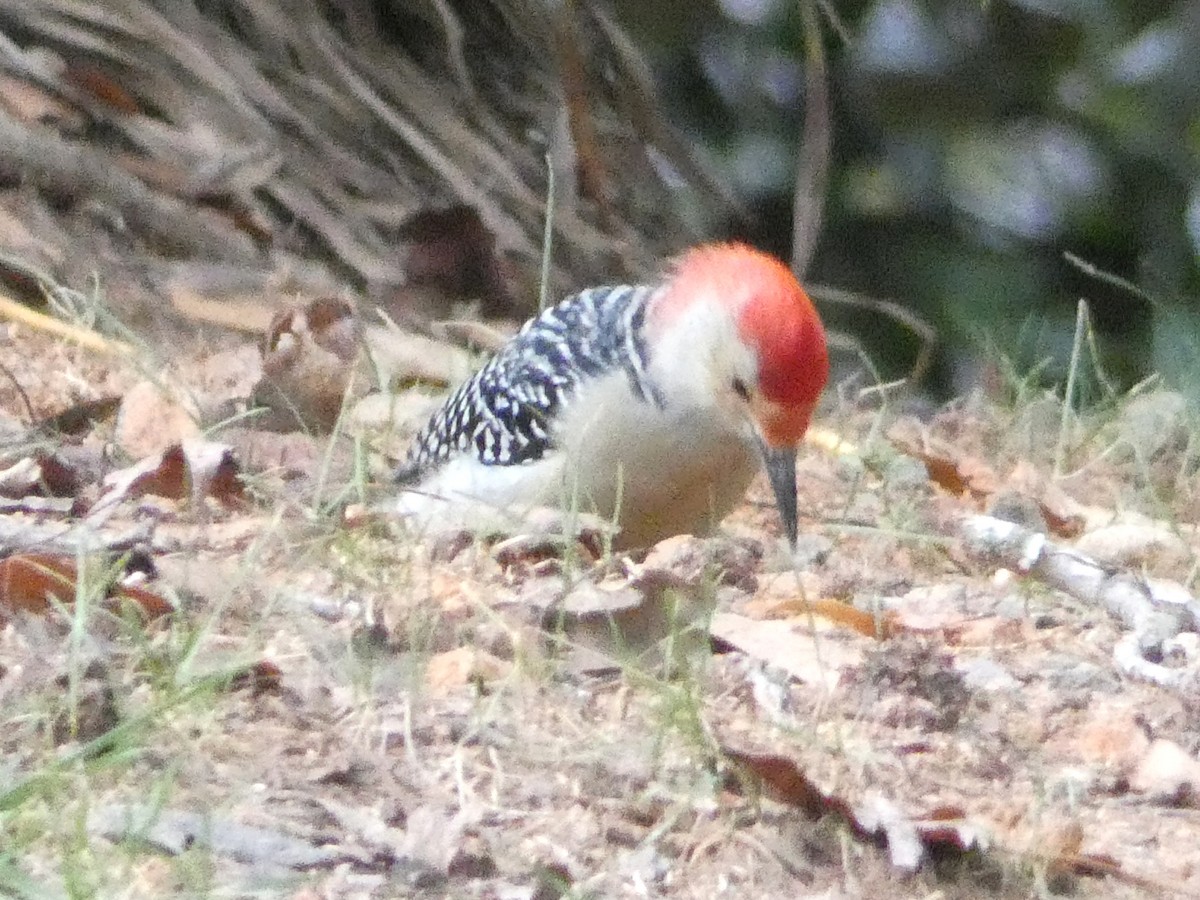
x: 775, y: 316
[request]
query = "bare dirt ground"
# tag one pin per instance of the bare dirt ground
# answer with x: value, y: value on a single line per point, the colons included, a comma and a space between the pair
x: 339, y: 708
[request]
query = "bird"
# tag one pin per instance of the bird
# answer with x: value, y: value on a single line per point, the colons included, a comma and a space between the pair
x: 652, y: 405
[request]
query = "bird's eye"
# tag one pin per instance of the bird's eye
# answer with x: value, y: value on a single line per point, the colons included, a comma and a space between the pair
x: 740, y: 388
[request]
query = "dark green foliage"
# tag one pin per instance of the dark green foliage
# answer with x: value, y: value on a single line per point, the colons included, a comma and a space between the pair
x: 974, y: 144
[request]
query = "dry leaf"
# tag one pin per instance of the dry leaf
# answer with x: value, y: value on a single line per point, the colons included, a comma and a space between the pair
x: 401, y: 357
x: 30, y: 582
x: 101, y: 86
x: 290, y: 455
x: 1061, y: 514
x: 42, y: 473
x: 531, y: 549
x: 782, y: 780
x: 309, y: 361
x: 785, y: 644
x: 880, y: 625
x: 189, y: 471
x: 955, y: 472
x: 908, y: 838
x: 261, y: 677
x: 652, y: 619
x: 80, y: 417
x: 730, y: 562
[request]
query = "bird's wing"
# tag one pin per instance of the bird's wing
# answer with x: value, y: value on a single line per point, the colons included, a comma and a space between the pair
x: 505, y: 414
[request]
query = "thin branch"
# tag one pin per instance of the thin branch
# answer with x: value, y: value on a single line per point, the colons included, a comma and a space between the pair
x: 90, y: 340
x: 593, y: 174
x: 812, y: 163
x: 902, y: 315
x: 20, y: 391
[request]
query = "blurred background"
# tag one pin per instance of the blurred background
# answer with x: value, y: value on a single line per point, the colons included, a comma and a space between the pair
x: 990, y: 163
x: 974, y: 145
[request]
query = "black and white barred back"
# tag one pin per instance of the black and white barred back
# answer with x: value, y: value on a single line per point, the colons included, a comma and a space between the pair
x: 504, y: 414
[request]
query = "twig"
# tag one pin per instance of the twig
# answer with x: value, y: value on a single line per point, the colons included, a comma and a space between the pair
x: 1060, y: 452
x: 812, y: 163
x: 1155, y: 610
x: 1109, y: 278
x: 86, y: 338
x: 638, y: 93
x: 593, y: 175
x: 902, y: 315
x: 547, y: 237
x: 20, y: 391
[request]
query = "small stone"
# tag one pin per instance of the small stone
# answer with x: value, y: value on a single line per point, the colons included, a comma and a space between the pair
x: 980, y: 674
x: 1168, y: 774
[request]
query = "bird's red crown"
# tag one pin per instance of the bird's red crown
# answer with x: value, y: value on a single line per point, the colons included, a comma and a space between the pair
x: 774, y: 316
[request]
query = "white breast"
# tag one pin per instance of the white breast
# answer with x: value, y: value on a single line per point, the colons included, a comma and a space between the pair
x: 656, y: 472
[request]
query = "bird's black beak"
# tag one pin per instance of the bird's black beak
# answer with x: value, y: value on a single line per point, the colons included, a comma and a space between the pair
x: 781, y: 471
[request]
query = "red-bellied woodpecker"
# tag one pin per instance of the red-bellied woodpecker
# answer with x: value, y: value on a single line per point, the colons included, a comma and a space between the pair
x: 651, y: 405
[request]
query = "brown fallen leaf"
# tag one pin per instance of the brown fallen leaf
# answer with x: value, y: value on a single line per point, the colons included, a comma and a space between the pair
x: 955, y: 472
x: 80, y: 417
x: 101, y: 86
x: 259, y: 678
x: 785, y: 645
x: 295, y: 457
x: 43, y: 473
x: 190, y: 471
x: 730, y: 562
x: 875, y: 819
x: 29, y: 582
x: 781, y: 779
x: 880, y: 626
x: 309, y: 361
x: 1061, y: 852
x: 652, y: 619
x: 531, y: 549
x: 1060, y: 512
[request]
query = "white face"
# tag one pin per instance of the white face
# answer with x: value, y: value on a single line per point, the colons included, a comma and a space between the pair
x: 702, y: 363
